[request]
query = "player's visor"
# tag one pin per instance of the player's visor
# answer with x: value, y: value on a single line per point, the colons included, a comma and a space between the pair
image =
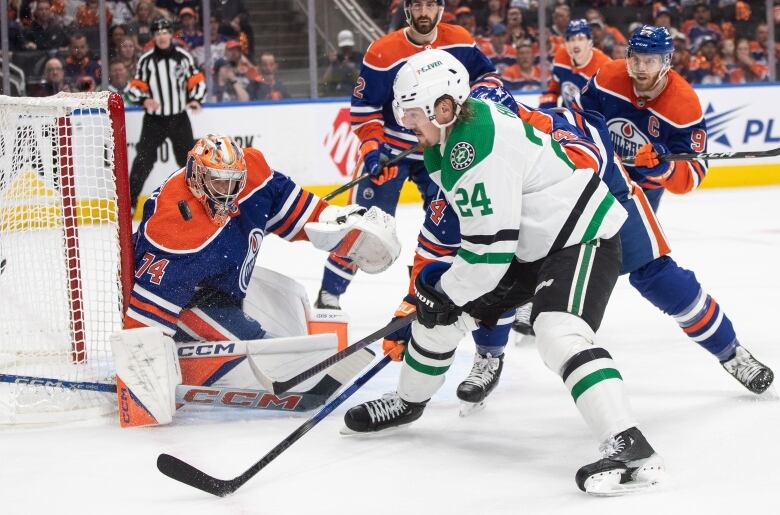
x: 409, y: 117
x: 645, y: 64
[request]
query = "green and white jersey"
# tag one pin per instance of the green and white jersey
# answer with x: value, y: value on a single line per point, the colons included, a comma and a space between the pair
x: 516, y: 194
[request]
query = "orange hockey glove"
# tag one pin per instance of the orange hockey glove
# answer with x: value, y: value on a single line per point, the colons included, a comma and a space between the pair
x: 395, y: 343
x: 374, y: 154
x: 648, y: 164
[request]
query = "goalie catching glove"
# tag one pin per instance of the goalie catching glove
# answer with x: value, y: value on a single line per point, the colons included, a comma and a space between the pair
x: 367, y: 237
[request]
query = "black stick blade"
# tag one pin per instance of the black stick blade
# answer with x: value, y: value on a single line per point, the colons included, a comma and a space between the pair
x: 185, y: 473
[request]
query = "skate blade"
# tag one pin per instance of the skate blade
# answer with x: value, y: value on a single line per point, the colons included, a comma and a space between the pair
x: 468, y: 408
x: 345, y: 431
x: 607, y: 484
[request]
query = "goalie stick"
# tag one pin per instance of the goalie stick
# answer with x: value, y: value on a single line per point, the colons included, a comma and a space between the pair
x: 361, y: 178
x: 749, y: 154
x: 185, y: 473
x: 209, y: 395
x: 279, y: 387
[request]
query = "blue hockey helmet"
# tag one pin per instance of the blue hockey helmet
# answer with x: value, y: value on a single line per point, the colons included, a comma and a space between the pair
x: 580, y: 26
x: 408, y: 9
x: 651, y: 40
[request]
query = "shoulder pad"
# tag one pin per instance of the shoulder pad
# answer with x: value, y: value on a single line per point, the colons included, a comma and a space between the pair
x: 387, y: 51
x: 452, y: 35
x: 257, y: 170
x: 562, y: 57
x: 678, y: 104
x: 167, y: 228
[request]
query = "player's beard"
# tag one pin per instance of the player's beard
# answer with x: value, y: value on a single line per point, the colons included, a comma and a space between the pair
x: 423, y: 25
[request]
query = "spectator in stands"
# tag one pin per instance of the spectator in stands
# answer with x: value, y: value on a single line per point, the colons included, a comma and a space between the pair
x: 78, y: 62
x: 619, y: 50
x: 450, y: 6
x: 87, y: 15
x: 701, y: 26
x: 681, y: 57
x: 727, y: 49
x: 233, y: 19
x: 495, y: 12
x: 706, y: 67
x: 745, y: 68
x: 217, y: 46
x: 169, y: 8
x: 465, y: 18
x: 116, y: 35
x: 45, y: 32
x: 188, y: 32
x: 85, y: 84
x: 270, y: 88
x: 594, y: 14
x: 128, y: 54
x: 54, y: 77
x: 759, y: 47
x: 516, y: 29
x: 523, y: 75
x: 602, y: 39
x: 560, y: 20
x: 121, y: 10
x: 243, y: 69
x: 500, y: 53
x: 343, y: 67
x: 140, y: 26
x: 118, y: 78
x: 227, y: 87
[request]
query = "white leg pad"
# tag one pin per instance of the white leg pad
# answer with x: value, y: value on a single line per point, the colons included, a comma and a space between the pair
x: 559, y: 336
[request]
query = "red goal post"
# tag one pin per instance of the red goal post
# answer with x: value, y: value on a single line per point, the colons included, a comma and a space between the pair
x: 65, y: 236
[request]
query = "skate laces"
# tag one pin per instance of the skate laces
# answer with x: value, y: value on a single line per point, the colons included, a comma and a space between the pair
x: 523, y: 314
x: 483, y: 370
x: 612, y: 446
x: 386, y: 408
x: 745, y: 367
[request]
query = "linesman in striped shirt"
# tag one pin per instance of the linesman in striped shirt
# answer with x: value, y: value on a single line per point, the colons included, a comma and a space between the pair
x: 166, y: 83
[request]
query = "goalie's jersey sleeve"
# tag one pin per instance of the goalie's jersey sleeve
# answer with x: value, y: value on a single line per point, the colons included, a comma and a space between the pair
x: 568, y: 79
x: 674, y: 118
x: 372, y: 112
x: 179, y: 251
x: 517, y: 195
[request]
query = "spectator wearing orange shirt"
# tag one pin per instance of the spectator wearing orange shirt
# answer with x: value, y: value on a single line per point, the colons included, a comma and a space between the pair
x: 270, y: 87
x: 87, y: 15
x: 745, y: 68
x: 707, y: 67
x: 523, y: 75
x: 500, y: 53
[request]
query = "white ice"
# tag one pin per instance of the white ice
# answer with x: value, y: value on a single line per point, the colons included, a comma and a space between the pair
x: 519, y: 455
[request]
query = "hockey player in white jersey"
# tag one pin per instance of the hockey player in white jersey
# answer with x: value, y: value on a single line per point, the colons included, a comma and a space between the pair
x: 532, y: 226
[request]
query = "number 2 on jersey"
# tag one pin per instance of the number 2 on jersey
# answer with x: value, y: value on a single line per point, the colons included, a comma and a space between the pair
x: 477, y: 199
x: 152, y: 266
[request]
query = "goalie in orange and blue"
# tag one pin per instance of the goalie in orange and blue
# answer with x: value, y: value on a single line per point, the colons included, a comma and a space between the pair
x: 201, y: 232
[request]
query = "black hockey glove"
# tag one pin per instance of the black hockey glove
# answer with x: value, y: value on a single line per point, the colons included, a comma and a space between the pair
x: 433, y: 306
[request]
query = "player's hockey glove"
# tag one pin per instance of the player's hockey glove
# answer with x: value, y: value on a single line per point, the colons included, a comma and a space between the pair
x: 434, y: 307
x: 374, y: 154
x: 495, y: 94
x: 395, y: 343
x: 649, y: 164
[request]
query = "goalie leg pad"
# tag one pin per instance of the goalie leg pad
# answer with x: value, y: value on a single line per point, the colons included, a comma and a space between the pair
x: 147, y: 373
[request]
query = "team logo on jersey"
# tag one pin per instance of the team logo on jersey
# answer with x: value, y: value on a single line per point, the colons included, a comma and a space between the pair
x: 368, y: 193
x: 570, y: 93
x: 626, y: 137
x: 462, y: 155
x: 253, y: 249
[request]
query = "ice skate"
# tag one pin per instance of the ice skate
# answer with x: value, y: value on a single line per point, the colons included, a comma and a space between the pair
x: 388, y: 412
x: 327, y: 300
x: 522, y: 322
x: 754, y: 375
x: 482, y: 379
x: 629, y: 464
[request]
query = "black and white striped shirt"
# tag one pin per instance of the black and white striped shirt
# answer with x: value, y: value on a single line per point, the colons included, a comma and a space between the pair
x: 170, y: 77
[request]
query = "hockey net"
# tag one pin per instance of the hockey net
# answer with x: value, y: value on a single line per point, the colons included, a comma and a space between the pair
x: 64, y: 223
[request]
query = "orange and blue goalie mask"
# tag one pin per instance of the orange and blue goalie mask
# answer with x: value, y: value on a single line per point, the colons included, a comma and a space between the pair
x: 216, y: 174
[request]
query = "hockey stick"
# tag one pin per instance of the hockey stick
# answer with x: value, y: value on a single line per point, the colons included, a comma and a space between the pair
x: 750, y: 154
x: 361, y: 178
x: 185, y: 473
x: 209, y: 395
x: 279, y: 387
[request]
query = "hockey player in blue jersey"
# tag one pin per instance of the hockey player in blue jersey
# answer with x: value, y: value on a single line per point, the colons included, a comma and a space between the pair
x: 574, y: 64
x: 201, y: 233
x: 652, y: 111
x: 380, y: 134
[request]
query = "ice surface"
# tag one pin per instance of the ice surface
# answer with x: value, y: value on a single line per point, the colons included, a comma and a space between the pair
x: 519, y: 455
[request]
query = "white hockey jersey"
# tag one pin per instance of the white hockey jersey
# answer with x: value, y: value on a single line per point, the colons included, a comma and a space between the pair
x: 517, y: 195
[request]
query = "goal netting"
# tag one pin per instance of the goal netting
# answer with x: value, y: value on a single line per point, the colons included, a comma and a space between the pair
x: 65, y: 250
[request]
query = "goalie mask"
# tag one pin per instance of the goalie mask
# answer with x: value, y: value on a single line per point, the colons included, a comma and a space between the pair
x: 216, y: 174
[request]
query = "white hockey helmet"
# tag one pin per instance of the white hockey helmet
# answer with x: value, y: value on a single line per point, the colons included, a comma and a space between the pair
x: 425, y: 78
